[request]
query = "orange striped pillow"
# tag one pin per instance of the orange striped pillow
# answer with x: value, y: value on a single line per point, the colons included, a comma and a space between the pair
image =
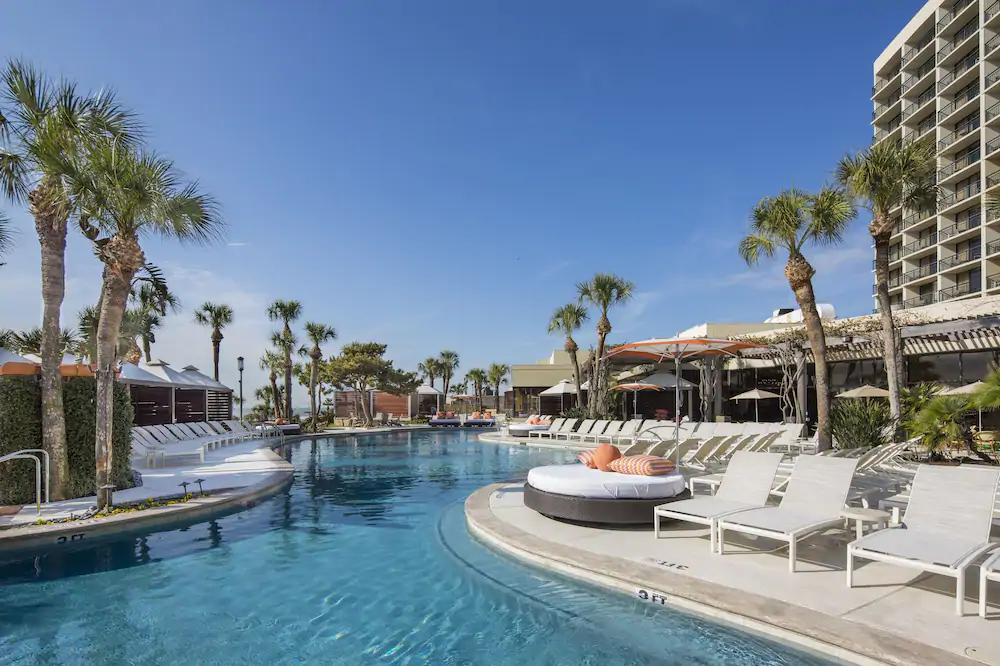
x: 587, y: 458
x: 642, y: 465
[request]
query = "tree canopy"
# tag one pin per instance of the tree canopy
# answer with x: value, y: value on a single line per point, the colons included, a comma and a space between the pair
x: 361, y: 366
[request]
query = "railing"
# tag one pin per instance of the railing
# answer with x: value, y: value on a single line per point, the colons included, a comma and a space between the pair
x: 993, y: 281
x: 920, y: 244
x: 991, y: 11
x: 912, y: 51
x: 992, y: 247
x: 993, y: 112
x: 959, y: 164
x: 893, y: 256
x: 959, y: 37
x: 961, y: 289
x: 993, y: 179
x: 971, y: 222
x: 991, y: 45
x: 959, y: 258
x: 919, y: 301
x: 962, y: 194
x: 892, y: 284
x: 915, y: 218
x: 959, y: 132
x: 921, y: 272
x: 993, y: 77
x: 32, y: 454
x: 958, y: 70
x: 992, y: 145
x: 950, y: 16
x: 929, y: 94
x: 992, y: 214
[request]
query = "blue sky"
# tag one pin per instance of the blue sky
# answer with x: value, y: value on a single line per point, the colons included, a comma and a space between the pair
x: 439, y: 174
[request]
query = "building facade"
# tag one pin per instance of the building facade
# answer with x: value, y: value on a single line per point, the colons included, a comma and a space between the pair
x: 940, y: 78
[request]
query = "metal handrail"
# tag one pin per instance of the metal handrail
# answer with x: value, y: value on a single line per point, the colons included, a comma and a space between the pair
x: 38, y: 475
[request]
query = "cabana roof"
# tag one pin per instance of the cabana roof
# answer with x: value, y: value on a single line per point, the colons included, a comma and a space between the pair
x: 193, y: 374
x: 133, y: 374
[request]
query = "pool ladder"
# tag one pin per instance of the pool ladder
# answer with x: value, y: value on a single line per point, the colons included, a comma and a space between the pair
x: 30, y: 454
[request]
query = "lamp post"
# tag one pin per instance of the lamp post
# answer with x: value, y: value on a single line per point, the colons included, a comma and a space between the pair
x: 239, y: 366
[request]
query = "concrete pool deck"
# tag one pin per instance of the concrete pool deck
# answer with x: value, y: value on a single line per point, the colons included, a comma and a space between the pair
x: 892, y: 616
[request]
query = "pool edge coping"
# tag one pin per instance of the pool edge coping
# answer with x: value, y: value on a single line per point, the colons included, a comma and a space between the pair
x: 804, y: 627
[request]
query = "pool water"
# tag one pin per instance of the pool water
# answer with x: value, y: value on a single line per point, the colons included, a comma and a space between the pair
x: 364, y: 559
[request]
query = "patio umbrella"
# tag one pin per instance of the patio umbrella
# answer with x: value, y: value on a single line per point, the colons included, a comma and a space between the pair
x: 561, y: 389
x: 755, y: 395
x: 865, y: 391
x: 635, y: 387
x: 678, y: 349
x: 968, y: 389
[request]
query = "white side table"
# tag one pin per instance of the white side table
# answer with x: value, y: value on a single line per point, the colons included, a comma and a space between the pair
x: 990, y: 570
x: 861, y: 516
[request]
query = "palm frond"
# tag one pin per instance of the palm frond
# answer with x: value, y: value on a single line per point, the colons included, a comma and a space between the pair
x: 754, y: 248
x: 830, y: 213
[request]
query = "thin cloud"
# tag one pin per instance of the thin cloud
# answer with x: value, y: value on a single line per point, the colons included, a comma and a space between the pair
x: 554, y: 269
x: 237, y: 244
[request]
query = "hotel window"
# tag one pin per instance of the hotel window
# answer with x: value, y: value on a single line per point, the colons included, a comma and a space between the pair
x: 966, y: 94
x: 970, y: 281
x: 970, y: 154
x: 968, y: 250
x: 926, y: 124
x: 968, y: 123
x: 969, y: 219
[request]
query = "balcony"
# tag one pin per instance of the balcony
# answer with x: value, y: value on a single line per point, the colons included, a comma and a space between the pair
x: 992, y: 247
x: 881, y: 83
x: 991, y: 45
x: 957, y: 165
x: 894, y: 255
x: 993, y: 281
x: 954, y: 105
x: 993, y: 112
x: 993, y: 76
x: 992, y: 145
x: 882, y: 109
x: 971, y: 222
x: 950, y: 16
x: 961, y: 289
x: 894, y: 282
x: 914, y: 219
x: 970, y: 190
x: 991, y: 12
x: 920, y: 301
x: 959, y: 132
x: 911, y: 52
x: 920, y: 244
x: 956, y: 73
x: 888, y: 131
x: 992, y: 214
x: 993, y: 178
x: 959, y: 258
x: 956, y: 41
x: 921, y: 272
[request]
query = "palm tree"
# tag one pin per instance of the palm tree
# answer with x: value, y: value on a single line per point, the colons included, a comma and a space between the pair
x: 134, y: 194
x: 6, y: 236
x: 568, y: 319
x: 285, y: 346
x: 318, y: 334
x: 286, y: 312
x: 217, y: 317
x: 448, y: 364
x: 602, y: 291
x: 152, y: 303
x: 44, y: 127
x: 30, y: 342
x: 478, y: 378
x: 498, y: 375
x: 272, y: 362
x: 430, y: 368
x: 790, y: 221
x: 87, y: 323
x: 884, y: 177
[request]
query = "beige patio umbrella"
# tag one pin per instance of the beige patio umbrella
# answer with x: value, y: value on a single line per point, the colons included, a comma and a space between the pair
x: 968, y: 389
x: 562, y: 389
x: 866, y: 391
x: 756, y: 395
x: 635, y: 387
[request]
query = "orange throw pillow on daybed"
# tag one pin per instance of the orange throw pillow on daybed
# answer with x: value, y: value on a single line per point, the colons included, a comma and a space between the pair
x: 487, y: 414
x: 587, y: 458
x: 450, y: 415
x: 604, y: 454
x: 533, y: 422
x: 642, y: 465
x: 475, y: 416
x: 439, y: 415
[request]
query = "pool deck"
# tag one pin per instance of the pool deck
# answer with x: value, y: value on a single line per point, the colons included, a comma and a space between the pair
x: 235, y: 476
x: 892, y: 616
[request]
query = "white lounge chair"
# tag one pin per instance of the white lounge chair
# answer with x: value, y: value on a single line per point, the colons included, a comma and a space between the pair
x: 584, y: 428
x: 815, y: 497
x: 746, y: 485
x: 945, y: 528
x: 596, y: 428
x: 626, y: 433
x: 557, y: 426
x: 611, y: 429
x: 990, y: 570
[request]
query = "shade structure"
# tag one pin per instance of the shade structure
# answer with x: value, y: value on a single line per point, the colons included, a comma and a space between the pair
x: 755, y: 395
x: 635, y: 387
x: 193, y: 374
x: 678, y: 349
x: 31, y: 364
x: 865, y: 391
x: 424, y: 389
x: 562, y: 389
x: 968, y: 389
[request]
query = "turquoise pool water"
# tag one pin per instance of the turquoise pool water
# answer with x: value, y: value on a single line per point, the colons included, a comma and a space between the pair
x: 365, y: 559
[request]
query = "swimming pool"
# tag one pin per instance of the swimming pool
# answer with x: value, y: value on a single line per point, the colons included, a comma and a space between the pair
x: 364, y: 559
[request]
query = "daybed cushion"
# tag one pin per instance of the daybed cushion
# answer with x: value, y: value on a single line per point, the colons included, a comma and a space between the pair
x: 581, y: 481
x: 642, y: 465
x: 525, y: 428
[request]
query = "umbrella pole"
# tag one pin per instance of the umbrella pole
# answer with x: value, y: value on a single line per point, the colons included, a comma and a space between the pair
x: 677, y: 407
x: 635, y: 404
x: 756, y: 411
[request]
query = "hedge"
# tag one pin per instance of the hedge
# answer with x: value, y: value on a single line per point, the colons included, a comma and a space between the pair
x: 21, y: 428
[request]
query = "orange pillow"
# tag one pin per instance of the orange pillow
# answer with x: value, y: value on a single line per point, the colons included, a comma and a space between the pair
x: 475, y: 416
x: 604, y: 454
x: 642, y: 465
x: 533, y: 422
x: 587, y: 458
x: 488, y: 415
x: 450, y: 415
x: 439, y: 415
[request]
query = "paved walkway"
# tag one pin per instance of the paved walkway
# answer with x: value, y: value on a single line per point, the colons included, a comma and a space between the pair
x: 893, y: 615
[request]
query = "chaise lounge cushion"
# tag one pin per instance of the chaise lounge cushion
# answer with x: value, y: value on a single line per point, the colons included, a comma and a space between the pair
x: 642, y: 465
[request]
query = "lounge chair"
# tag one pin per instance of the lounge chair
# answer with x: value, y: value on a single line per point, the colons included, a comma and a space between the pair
x: 554, y: 427
x: 625, y: 432
x: 584, y: 428
x: 814, y: 500
x: 746, y: 485
x: 609, y: 433
x: 596, y: 429
x: 945, y: 528
x: 990, y: 570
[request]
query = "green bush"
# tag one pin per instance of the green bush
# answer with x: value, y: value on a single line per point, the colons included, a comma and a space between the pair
x: 861, y: 422
x: 21, y: 428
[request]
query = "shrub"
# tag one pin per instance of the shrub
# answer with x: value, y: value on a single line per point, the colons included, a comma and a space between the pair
x: 21, y: 428
x: 861, y: 422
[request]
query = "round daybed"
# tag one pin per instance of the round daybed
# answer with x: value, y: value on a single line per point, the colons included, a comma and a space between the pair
x: 522, y: 429
x: 579, y: 493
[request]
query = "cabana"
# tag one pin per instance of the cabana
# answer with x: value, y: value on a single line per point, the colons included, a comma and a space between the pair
x: 161, y: 394
x: 422, y: 393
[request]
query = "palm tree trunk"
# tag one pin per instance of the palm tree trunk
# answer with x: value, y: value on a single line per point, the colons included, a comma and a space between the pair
x: 571, y: 348
x: 216, y: 345
x: 146, y: 349
x: 313, y: 374
x: 799, y: 274
x: 114, y: 295
x: 51, y: 228
x: 275, y: 395
x: 593, y: 394
x: 447, y: 381
x: 288, y: 376
x: 892, y: 349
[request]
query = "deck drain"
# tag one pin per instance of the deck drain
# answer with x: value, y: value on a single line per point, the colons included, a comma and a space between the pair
x: 973, y: 653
